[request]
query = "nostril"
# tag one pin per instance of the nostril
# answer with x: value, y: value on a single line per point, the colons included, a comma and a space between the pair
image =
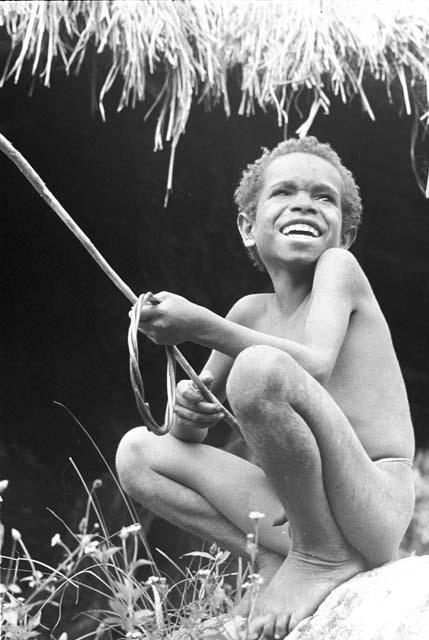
x: 299, y: 206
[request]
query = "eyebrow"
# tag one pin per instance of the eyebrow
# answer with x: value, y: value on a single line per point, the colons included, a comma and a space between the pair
x: 319, y: 186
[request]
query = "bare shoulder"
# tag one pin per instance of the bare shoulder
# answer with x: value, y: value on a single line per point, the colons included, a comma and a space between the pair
x: 246, y: 309
x: 339, y: 268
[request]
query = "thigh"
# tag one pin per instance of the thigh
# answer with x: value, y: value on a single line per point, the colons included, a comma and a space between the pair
x: 371, y: 503
x: 233, y: 486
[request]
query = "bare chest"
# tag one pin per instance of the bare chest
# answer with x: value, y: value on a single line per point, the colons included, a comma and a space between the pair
x: 281, y: 326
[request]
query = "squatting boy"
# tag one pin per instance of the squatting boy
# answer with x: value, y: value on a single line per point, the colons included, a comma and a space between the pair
x: 312, y: 377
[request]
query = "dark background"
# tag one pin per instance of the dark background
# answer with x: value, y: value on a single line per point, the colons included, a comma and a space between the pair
x: 64, y: 324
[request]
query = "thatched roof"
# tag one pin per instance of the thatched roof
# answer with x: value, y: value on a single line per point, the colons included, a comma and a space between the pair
x: 172, y: 54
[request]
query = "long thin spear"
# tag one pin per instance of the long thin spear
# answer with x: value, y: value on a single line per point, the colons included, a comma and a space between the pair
x: 41, y: 188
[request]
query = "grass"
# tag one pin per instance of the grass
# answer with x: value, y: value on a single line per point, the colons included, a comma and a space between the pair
x: 133, y: 598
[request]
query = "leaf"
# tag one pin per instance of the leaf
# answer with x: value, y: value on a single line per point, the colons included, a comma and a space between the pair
x: 143, y: 615
x: 123, y: 590
x: 108, y: 553
x: 35, y: 621
x: 198, y: 554
x: 139, y: 563
x: 225, y: 555
x: 158, y: 608
x: 113, y: 620
x: 119, y: 608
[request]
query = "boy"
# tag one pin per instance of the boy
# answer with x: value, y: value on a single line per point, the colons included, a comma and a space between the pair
x: 311, y: 375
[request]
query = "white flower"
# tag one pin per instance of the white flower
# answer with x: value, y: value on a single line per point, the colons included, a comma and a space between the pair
x: 131, y: 529
x: 55, y: 540
x: 15, y: 534
x: 203, y: 572
x: 91, y: 547
x: 34, y: 580
x: 256, y: 515
x: 83, y: 525
x: 13, y: 588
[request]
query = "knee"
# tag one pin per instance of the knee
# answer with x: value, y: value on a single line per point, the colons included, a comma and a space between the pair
x: 133, y: 456
x: 261, y: 375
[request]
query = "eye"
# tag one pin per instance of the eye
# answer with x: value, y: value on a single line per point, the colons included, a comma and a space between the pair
x: 325, y: 197
x: 281, y: 191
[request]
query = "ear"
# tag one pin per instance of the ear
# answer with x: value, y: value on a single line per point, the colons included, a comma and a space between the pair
x: 348, y: 238
x: 245, y: 227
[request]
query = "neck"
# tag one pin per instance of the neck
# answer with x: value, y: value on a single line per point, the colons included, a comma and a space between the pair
x: 291, y: 287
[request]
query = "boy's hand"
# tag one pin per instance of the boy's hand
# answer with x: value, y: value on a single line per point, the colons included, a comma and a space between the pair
x: 172, y: 321
x: 191, y: 409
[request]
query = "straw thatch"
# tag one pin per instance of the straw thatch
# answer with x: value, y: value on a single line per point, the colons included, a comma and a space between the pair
x: 175, y: 53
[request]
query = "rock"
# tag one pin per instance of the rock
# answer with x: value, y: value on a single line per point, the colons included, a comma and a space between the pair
x: 388, y: 603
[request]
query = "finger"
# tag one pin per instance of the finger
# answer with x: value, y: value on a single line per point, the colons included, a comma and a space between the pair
x: 194, y: 416
x: 194, y: 400
x: 200, y: 406
x: 160, y: 295
x: 147, y: 313
x: 151, y: 298
x: 190, y: 393
x: 209, y: 407
x: 190, y: 414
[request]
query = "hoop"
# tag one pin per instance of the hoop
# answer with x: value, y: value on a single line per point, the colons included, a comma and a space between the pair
x: 136, y: 377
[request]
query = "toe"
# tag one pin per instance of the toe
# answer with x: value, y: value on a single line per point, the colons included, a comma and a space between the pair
x: 269, y: 626
x: 256, y: 628
x: 282, y: 626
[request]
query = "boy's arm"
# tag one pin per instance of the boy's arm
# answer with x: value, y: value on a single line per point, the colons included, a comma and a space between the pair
x: 338, y: 290
x: 338, y: 287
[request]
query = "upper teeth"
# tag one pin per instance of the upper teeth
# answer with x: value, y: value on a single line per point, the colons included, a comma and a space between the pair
x: 304, y: 228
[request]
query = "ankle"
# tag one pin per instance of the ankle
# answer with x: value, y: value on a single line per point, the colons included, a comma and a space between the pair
x: 267, y: 561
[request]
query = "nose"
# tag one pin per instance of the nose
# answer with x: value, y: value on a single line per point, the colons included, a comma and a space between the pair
x: 302, y: 203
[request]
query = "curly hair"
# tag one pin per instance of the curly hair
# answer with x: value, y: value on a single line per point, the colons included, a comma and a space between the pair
x: 247, y: 192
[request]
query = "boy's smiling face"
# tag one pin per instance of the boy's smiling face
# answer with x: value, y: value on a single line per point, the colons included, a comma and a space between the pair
x: 298, y: 215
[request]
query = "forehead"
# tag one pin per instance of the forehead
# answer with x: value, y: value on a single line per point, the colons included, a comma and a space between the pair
x: 303, y: 168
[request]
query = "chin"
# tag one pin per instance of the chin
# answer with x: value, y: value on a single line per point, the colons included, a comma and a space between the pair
x: 303, y: 255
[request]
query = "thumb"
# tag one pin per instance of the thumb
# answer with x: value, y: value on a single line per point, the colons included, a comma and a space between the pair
x: 206, y: 376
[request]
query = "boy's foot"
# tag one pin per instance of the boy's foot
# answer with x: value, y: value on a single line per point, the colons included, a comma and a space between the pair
x: 295, y: 592
x: 267, y: 563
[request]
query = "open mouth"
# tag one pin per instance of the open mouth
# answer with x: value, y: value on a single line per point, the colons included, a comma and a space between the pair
x: 301, y: 229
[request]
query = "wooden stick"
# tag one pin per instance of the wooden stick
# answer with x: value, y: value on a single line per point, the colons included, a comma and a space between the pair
x: 27, y: 170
